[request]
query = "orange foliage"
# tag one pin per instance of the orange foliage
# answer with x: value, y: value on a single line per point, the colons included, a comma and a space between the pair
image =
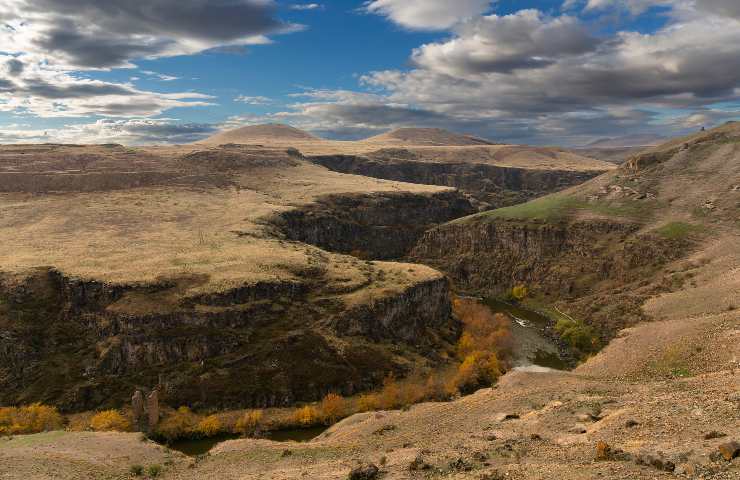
x: 332, y: 407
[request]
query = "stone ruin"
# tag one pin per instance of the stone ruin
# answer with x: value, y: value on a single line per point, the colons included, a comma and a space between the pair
x: 146, y: 411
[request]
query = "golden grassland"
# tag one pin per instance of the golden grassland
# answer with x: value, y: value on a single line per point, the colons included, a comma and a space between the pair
x: 211, y: 237
x: 431, y: 145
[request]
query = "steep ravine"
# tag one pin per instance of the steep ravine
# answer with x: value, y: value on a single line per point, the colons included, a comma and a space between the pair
x: 67, y: 342
x: 602, y: 270
x: 489, y: 186
x: 83, y: 344
x: 371, y: 226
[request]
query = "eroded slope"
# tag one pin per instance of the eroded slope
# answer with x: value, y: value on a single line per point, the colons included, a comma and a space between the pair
x: 168, y: 266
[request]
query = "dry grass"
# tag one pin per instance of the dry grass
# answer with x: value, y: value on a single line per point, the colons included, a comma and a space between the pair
x: 210, y: 237
x: 430, y: 145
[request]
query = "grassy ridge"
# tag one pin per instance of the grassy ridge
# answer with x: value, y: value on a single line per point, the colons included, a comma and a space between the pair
x: 558, y: 207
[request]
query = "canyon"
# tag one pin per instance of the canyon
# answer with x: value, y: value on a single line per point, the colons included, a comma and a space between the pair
x: 350, y: 278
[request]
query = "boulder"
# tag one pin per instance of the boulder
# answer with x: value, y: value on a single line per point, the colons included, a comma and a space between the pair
x: 729, y: 450
x: 364, y: 472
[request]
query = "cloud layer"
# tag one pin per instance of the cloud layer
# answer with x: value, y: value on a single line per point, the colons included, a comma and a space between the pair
x: 428, y: 14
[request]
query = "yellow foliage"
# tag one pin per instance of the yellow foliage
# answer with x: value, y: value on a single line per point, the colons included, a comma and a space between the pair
x: 332, y: 407
x: 108, y: 421
x: 179, y: 424
x: 33, y: 418
x: 390, y: 395
x: 209, y: 426
x: 306, y: 416
x: 519, y: 292
x: 249, y: 422
x: 479, y: 369
x: 465, y: 345
x: 368, y: 402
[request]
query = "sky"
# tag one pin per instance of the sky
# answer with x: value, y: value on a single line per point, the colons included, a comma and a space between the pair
x: 559, y: 72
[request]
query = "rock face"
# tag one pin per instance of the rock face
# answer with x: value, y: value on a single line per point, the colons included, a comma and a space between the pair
x: 270, y: 345
x: 490, y: 186
x: 576, y: 261
x: 378, y: 226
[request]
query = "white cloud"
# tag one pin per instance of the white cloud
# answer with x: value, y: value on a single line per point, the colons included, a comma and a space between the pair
x: 257, y: 100
x: 526, y: 39
x: 306, y: 6
x: 428, y: 14
x: 128, y: 132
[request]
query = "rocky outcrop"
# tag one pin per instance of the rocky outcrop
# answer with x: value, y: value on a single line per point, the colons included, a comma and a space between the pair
x: 378, y: 226
x: 490, y: 186
x: 597, y: 267
x: 71, y: 344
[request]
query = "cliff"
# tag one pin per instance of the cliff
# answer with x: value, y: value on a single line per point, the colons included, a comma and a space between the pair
x: 490, y: 186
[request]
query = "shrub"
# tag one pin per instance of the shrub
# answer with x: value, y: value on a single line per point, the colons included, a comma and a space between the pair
x: 136, y: 470
x: 482, y: 330
x: 306, y: 416
x: 519, y: 293
x: 33, y: 418
x: 110, y: 420
x: 578, y: 335
x: 332, y: 407
x: 390, y: 395
x: 179, y: 424
x: 209, y: 426
x: 249, y: 423
x: 368, y: 402
x: 154, y: 470
x: 479, y: 369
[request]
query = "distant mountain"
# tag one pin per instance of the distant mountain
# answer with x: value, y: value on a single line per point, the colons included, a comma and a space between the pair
x: 270, y: 133
x: 427, y: 137
x: 644, y: 140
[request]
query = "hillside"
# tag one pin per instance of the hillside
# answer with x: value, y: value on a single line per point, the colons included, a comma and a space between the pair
x: 491, y: 175
x: 426, y: 137
x: 657, y: 239
x: 602, y: 248
x: 195, y: 269
x: 271, y: 134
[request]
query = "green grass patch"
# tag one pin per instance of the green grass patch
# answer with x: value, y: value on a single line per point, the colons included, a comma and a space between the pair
x: 676, y: 230
x: 551, y: 207
x: 557, y: 207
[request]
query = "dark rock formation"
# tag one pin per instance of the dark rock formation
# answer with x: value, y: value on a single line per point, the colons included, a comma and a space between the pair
x: 376, y: 226
x: 264, y: 345
x: 490, y: 186
x: 595, y: 266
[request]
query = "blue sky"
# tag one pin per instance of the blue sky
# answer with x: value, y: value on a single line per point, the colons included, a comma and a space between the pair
x: 528, y: 71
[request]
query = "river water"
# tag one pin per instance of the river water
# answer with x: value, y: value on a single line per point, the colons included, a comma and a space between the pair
x: 531, y: 346
x: 201, y: 446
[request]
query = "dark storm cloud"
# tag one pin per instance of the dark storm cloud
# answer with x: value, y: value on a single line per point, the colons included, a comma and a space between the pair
x: 730, y: 8
x: 43, y: 89
x: 104, y: 34
x: 14, y: 66
x: 220, y: 20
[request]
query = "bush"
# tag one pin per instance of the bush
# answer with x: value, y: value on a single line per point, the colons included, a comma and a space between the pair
x: 110, y: 421
x: 368, y: 402
x: 578, y: 335
x: 136, y: 470
x: 154, y: 470
x: 479, y: 369
x: 390, y: 395
x: 306, y: 416
x: 33, y: 418
x: 519, y: 293
x: 332, y: 408
x: 179, y: 424
x: 483, y: 331
x: 209, y: 426
x: 249, y: 423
